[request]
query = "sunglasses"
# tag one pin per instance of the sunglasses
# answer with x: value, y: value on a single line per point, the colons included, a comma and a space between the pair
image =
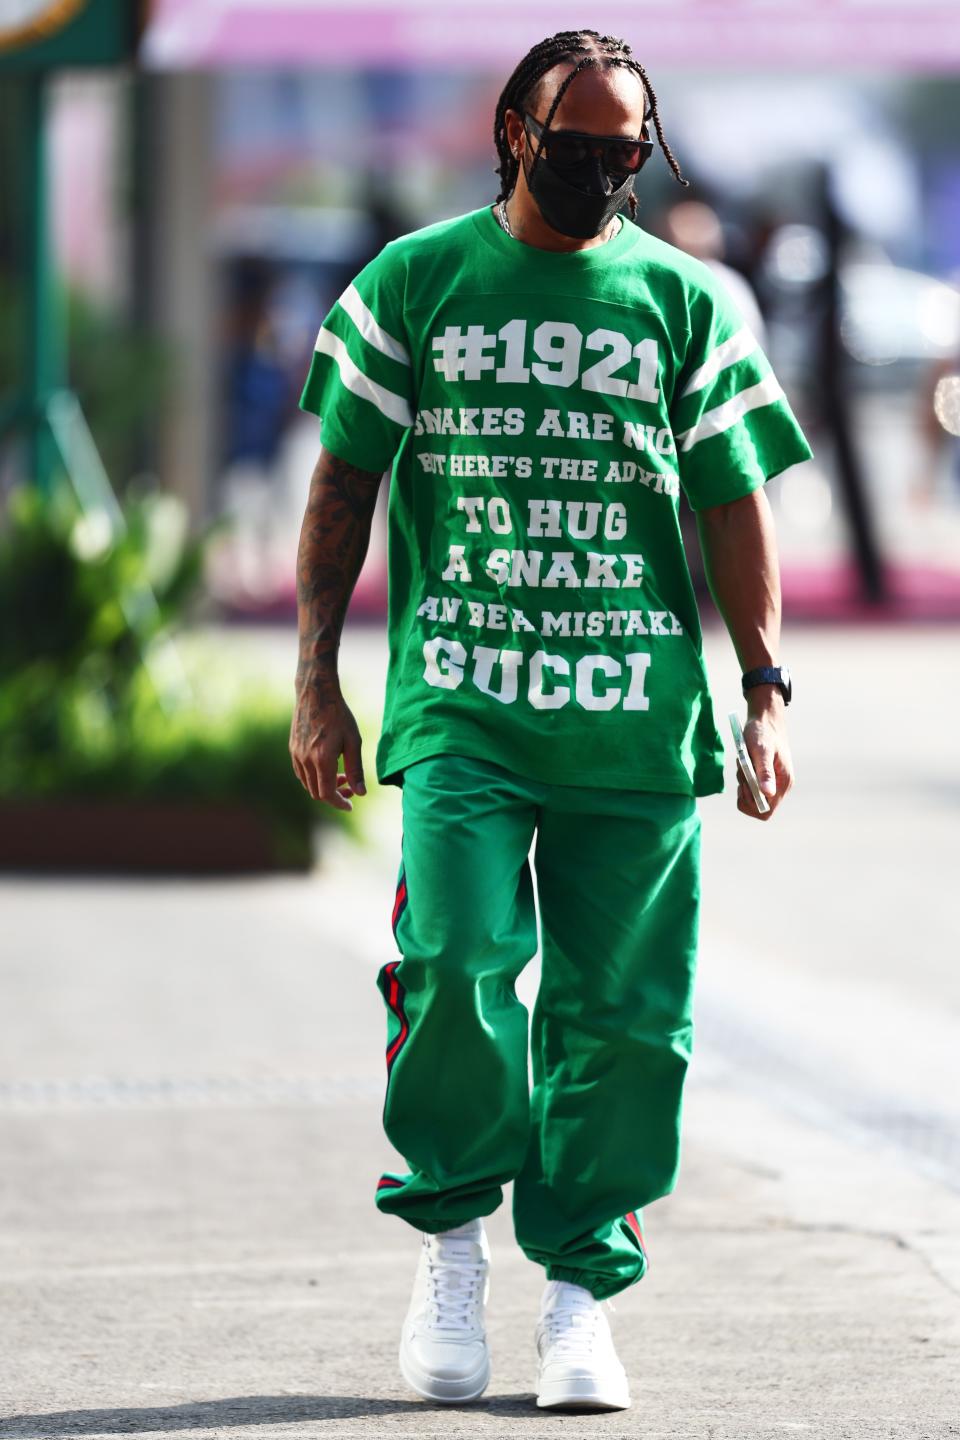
x: 566, y: 149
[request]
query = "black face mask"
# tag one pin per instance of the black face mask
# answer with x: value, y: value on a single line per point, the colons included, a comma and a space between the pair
x: 579, y: 202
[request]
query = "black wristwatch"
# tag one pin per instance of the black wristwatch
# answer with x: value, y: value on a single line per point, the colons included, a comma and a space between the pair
x: 777, y: 675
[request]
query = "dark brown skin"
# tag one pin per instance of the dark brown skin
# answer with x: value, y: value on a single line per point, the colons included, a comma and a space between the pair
x: 748, y: 598
x: 333, y: 544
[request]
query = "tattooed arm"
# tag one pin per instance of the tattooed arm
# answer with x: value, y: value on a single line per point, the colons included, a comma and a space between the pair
x: 333, y: 544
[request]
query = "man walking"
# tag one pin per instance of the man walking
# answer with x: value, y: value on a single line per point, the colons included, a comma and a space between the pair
x: 544, y: 378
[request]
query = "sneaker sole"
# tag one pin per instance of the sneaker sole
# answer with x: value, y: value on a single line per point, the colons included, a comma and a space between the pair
x: 581, y: 1394
x: 445, y: 1392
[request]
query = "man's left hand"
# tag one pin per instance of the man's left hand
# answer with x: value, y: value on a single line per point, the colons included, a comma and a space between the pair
x: 765, y: 735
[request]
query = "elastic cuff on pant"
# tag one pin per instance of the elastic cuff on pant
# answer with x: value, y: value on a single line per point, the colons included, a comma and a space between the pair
x: 420, y: 1211
x: 437, y: 1227
x: 601, y: 1287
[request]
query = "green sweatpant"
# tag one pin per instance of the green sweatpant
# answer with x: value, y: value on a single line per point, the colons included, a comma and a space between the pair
x: 617, y: 876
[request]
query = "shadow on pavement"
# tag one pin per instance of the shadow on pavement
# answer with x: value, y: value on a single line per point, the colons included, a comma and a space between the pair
x: 247, y: 1410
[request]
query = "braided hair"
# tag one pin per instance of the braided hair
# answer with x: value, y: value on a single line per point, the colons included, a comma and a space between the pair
x: 585, y: 49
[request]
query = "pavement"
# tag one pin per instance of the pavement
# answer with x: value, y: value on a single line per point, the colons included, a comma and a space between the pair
x: 190, y: 1087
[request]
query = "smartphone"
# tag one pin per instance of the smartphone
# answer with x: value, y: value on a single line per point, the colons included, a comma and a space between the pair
x: 746, y: 765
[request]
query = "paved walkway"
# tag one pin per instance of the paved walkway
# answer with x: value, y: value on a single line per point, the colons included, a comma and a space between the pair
x: 190, y: 1087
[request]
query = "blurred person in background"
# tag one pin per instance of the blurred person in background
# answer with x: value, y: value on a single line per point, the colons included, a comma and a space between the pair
x: 259, y: 399
x: 257, y: 402
x: 695, y: 227
x: 543, y: 377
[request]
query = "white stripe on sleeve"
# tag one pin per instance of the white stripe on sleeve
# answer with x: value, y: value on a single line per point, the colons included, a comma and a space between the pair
x: 738, y: 347
x: 723, y: 417
x: 362, y: 316
x: 393, y: 406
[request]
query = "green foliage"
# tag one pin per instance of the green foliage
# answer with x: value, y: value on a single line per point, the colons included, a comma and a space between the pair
x: 120, y: 373
x: 87, y: 671
x: 77, y: 593
x: 121, y: 376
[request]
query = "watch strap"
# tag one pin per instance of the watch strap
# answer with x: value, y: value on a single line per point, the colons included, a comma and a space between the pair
x: 766, y: 675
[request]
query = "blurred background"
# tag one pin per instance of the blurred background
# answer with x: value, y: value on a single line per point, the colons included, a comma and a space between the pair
x: 185, y: 188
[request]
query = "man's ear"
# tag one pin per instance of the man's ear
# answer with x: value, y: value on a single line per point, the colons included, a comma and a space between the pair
x: 516, y: 149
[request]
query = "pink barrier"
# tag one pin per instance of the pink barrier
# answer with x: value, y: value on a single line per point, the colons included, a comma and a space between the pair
x: 455, y: 33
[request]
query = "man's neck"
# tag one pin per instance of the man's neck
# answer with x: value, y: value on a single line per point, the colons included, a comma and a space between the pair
x: 528, y: 225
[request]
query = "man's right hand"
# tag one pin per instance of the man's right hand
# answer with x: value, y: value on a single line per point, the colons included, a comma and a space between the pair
x: 333, y: 542
x: 323, y: 729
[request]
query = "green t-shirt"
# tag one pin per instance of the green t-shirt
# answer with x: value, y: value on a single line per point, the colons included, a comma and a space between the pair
x: 542, y: 411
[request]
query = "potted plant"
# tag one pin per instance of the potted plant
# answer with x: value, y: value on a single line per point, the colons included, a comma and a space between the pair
x: 116, y: 752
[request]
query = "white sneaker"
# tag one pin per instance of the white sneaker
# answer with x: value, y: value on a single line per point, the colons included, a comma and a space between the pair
x: 443, y: 1346
x: 579, y: 1368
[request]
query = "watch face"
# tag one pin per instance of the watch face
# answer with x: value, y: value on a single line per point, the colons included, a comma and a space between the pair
x: 25, y: 22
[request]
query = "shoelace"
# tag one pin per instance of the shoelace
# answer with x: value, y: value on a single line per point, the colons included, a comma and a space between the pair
x: 572, y: 1330
x: 453, y: 1288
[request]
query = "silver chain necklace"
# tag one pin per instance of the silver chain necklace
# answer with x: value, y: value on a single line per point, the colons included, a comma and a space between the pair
x: 505, y: 223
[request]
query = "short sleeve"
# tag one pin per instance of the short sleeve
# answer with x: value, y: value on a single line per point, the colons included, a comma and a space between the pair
x: 360, y: 381
x: 733, y: 425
